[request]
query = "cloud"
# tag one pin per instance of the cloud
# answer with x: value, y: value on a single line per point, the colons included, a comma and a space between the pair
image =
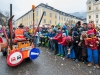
x: 20, y: 7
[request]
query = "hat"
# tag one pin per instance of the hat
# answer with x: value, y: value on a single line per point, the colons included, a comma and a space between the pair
x: 69, y: 38
x: 21, y: 25
x: 64, y: 34
x: 90, y: 32
x: 79, y: 22
x: 76, y: 33
x: 64, y: 27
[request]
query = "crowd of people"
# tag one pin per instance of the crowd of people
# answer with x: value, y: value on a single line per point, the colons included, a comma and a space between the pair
x: 80, y: 43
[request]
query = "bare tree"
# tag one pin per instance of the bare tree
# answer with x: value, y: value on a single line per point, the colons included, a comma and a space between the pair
x: 7, y: 14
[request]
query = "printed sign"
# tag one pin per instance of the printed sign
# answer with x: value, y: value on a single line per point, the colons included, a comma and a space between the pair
x: 34, y: 53
x: 26, y: 48
x: 15, y: 58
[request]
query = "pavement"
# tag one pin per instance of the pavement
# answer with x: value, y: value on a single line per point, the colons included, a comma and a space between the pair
x: 47, y: 64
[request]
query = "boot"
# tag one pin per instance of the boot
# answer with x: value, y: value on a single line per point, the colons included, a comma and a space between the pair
x: 97, y: 66
x: 89, y: 64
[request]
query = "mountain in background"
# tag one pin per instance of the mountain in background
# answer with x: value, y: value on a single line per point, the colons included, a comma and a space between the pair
x: 79, y: 14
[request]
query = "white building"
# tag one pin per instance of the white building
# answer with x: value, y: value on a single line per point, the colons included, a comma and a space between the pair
x: 93, y: 11
x: 52, y: 16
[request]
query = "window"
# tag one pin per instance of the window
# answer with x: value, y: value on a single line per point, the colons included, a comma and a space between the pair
x: 55, y: 16
x: 22, y: 19
x: 89, y: 17
x: 36, y: 20
x: 89, y: 8
x: 96, y: 8
x: 59, y: 17
x: 44, y: 20
x: 31, y: 22
x: 36, y: 13
x: 96, y: 21
x: 50, y: 14
x: 62, y: 18
x: 96, y: 16
x: 55, y: 22
x: 45, y: 13
x: 50, y: 21
x: 29, y: 16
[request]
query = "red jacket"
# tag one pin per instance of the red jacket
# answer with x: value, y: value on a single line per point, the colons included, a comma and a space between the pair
x: 92, y: 41
x: 1, y: 41
x: 63, y: 42
x: 58, y: 37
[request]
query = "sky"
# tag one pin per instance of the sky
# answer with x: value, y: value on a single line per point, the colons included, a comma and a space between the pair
x: 20, y: 7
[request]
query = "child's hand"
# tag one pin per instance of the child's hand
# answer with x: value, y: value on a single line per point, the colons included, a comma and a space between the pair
x: 97, y: 42
x: 51, y: 38
x: 98, y: 38
x: 79, y: 44
x: 76, y: 41
x: 68, y: 49
x: 91, y: 45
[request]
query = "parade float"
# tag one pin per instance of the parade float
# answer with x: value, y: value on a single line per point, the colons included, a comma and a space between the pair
x: 24, y: 49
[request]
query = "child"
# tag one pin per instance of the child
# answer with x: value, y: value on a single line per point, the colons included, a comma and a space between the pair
x: 71, y: 53
x: 92, y: 48
x: 57, y: 39
x: 77, y: 49
x: 62, y: 46
x: 50, y: 38
x: 84, y: 48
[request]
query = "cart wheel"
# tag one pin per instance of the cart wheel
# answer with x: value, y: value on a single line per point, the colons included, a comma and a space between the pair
x: 28, y: 59
x: 4, y: 52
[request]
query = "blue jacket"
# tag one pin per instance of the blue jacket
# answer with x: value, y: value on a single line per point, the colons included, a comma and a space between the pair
x: 50, y: 35
x: 66, y: 31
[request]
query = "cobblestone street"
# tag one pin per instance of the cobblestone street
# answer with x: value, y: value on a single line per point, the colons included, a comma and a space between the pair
x: 47, y: 64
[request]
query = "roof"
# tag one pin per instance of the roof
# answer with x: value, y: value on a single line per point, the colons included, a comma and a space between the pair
x: 53, y: 9
x: 1, y: 14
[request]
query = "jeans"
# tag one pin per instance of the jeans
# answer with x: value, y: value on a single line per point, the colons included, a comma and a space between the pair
x: 94, y: 54
x: 50, y: 44
x: 36, y: 41
x: 26, y: 35
x: 55, y: 47
x: 65, y: 50
x: 78, y: 52
x: 60, y: 49
x: 42, y: 40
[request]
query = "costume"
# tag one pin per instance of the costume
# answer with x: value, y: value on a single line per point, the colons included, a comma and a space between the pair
x: 92, y: 47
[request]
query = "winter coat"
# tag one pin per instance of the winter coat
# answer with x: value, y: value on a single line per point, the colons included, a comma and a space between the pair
x: 92, y: 41
x: 76, y: 38
x: 58, y: 37
x: 63, y: 42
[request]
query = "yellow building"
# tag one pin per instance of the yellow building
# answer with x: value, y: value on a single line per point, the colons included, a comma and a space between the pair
x: 93, y: 11
x: 52, y: 16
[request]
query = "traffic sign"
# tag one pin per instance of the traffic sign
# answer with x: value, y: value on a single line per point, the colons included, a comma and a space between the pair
x: 34, y: 53
x: 15, y: 58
